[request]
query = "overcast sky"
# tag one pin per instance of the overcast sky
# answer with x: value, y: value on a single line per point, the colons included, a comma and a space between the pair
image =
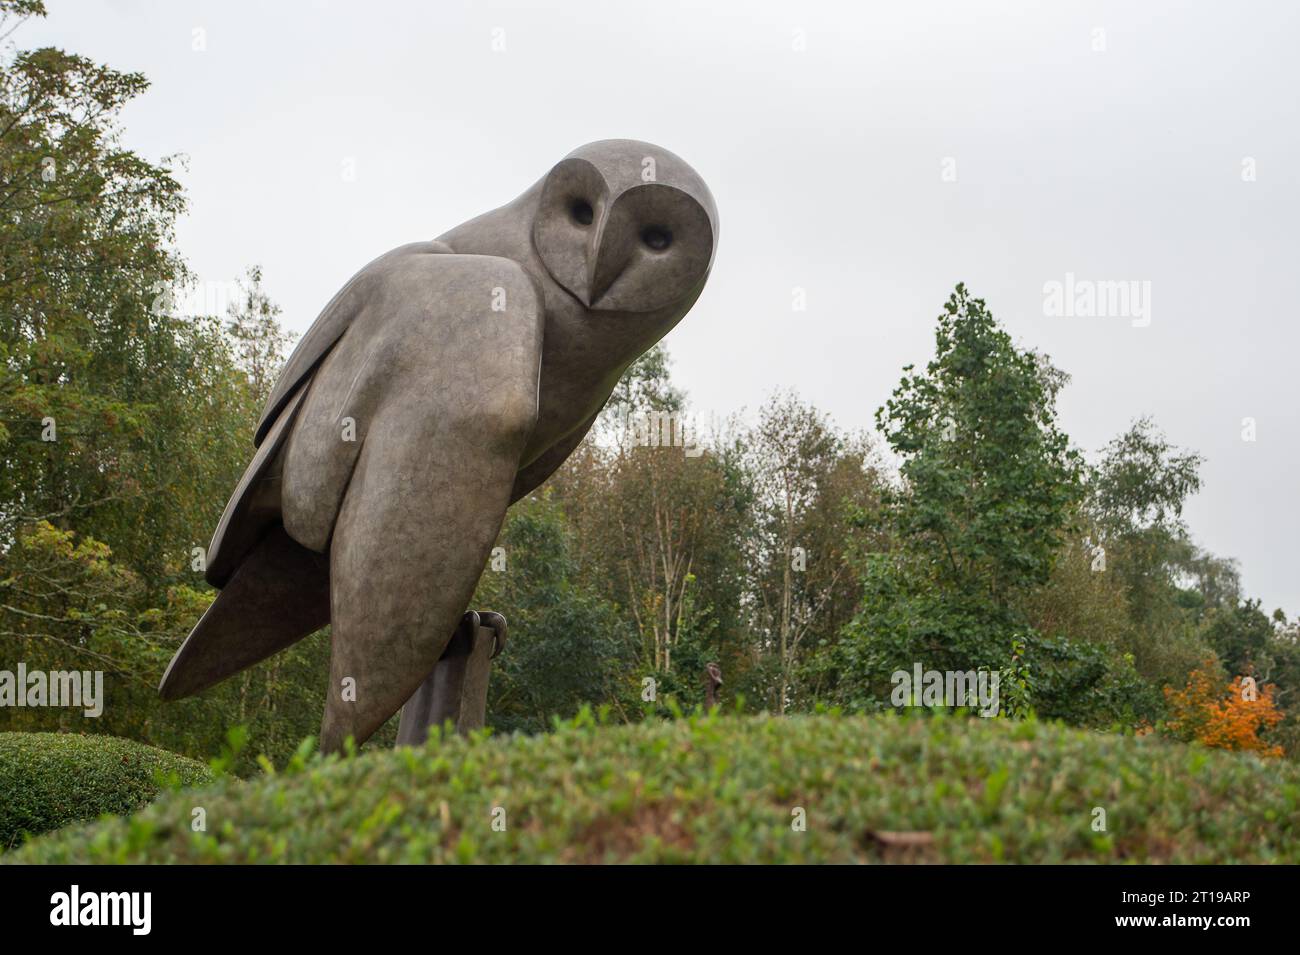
x: 871, y: 154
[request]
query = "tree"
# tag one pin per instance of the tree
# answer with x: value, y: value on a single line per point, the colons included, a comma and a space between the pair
x: 659, y: 528
x: 567, y: 646
x: 1133, y: 518
x: 659, y: 521
x: 123, y: 424
x: 646, y: 385
x: 807, y: 479
x: 1242, y: 636
x: 260, y: 343
x: 988, y: 488
x: 118, y: 418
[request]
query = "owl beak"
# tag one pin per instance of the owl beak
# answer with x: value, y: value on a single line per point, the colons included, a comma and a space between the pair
x: 604, y: 265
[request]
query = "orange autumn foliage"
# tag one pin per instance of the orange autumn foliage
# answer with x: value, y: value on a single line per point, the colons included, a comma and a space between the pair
x: 1224, y: 717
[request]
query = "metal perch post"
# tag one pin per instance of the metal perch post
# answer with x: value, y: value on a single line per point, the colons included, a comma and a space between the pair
x: 457, y: 688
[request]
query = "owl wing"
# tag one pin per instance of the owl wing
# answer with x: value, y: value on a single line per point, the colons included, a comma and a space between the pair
x: 422, y: 402
x: 325, y: 332
x: 254, y: 507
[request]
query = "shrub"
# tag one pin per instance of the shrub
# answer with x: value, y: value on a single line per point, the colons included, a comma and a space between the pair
x: 730, y: 790
x: 1089, y: 684
x: 48, y: 780
x: 1223, y: 716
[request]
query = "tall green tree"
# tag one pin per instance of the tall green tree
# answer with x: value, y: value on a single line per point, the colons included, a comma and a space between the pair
x: 988, y: 486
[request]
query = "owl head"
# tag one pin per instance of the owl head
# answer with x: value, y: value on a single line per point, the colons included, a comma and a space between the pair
x: 626, y: 226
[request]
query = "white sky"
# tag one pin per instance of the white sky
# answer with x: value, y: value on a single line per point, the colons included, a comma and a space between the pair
x: 826, y: 165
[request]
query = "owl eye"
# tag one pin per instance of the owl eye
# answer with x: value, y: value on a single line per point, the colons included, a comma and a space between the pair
x: 581, y: 211
x: 657, y: 238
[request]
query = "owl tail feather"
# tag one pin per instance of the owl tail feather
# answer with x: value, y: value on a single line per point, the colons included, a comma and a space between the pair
x: 279, y: 594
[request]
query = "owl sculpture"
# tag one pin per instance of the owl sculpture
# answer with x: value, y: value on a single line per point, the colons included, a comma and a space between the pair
x: 445, y: 381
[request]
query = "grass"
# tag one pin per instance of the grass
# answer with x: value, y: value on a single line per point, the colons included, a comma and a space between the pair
x: 49, y: 780
x: 729, y: 789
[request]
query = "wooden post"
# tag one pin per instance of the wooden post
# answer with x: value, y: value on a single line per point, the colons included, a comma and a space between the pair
x: 456, y: 690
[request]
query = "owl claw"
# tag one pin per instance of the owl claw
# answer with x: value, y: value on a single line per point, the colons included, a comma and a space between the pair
x: 462, y: 641
x: 497, y: 624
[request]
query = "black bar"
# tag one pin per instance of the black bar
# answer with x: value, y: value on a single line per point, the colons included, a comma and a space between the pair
x: 933, y: 903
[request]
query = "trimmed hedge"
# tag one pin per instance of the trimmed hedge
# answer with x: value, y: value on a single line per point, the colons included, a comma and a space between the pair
x: 48, y: 780
x: 727, y: 789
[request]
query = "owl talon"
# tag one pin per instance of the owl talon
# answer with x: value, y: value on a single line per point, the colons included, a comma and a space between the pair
x: 497, y: 624
x: 462, y: 641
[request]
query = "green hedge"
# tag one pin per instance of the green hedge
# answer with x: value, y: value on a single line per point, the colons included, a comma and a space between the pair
x: 726, y: 789
x: 48, y: 780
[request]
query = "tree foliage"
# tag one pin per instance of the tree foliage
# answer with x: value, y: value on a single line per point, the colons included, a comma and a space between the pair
x: 988, y: 486
x: 1223, y: 715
